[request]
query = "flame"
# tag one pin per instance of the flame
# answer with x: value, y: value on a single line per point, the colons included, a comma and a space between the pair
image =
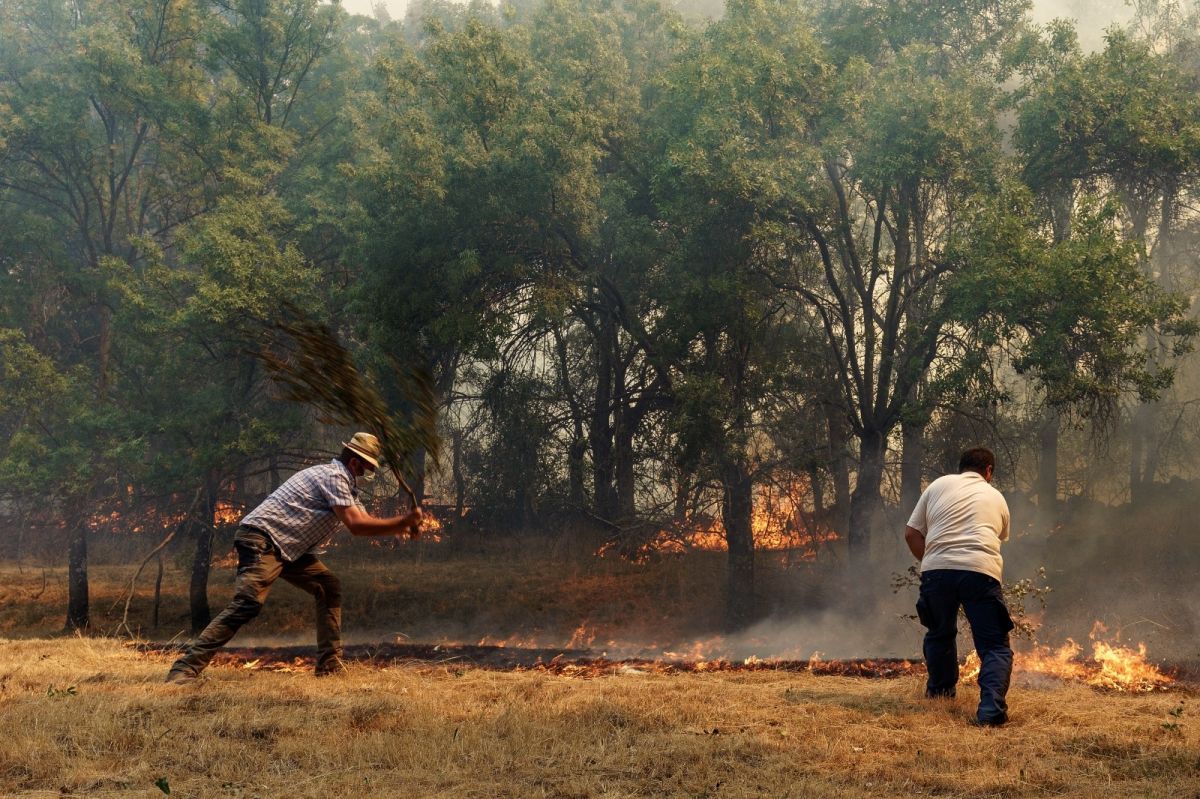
x: 228, y: 513
x: 516, y: 641
x: 583, y: 637
x: 148, y: 518
x: 1111, y: 666
x: 431, y: 528
x: 778, y: 521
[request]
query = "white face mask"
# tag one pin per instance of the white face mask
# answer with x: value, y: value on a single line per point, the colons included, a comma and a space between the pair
x: 368, y: 475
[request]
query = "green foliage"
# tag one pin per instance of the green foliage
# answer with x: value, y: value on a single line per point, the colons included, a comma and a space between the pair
x: 1126, y: 113
x: 1071, y: 313
x: 610, y: 240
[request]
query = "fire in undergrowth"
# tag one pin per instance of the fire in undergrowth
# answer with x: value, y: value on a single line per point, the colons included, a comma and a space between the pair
x: 1111, y: 666
x: 150, y: 518
x: 780, y: 521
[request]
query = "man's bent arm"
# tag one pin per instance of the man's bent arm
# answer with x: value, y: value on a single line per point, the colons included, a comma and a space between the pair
x: 916, y: 541
x: 359, y: 522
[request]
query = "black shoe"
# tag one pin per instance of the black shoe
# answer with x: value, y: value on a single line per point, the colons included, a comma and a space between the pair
x: 336, y: 667
x: 181, y: 677
x: 995, y: 721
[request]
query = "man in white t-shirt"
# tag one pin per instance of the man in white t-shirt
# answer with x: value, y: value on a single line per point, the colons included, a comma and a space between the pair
x: 955, y: 531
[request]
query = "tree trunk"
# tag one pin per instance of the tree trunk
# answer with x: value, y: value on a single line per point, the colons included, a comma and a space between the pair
x: 839, y: 468
x: 202, y: 562
x: 736, y: 513
x: 866, y: 502
x: 418, y: 478
x: 1047, y: 476
x: 458, y: 475
x: 158, y: 577
x: 816, y: 485
x: 683, y: 493
x: 78, y: 617
x: 1142, y: 451
x: 626, y: 500
x: 600, y: 434
x: 576, y: 454
x: 911, y: 459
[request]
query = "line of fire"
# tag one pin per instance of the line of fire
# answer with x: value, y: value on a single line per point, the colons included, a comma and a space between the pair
x: 787, y: 531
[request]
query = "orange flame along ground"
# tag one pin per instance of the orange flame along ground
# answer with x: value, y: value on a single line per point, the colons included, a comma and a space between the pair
x: 148, y: 518
x: 1111, y: 667
x: 779, y: 521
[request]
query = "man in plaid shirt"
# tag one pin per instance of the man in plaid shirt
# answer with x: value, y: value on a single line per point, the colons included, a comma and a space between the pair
x: 277, y: 539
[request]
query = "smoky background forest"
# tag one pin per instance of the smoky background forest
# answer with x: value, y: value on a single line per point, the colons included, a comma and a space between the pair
x: 712, y: 284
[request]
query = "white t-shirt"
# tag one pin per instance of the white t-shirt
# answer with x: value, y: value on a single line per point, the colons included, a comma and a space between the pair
x: 964, y: 520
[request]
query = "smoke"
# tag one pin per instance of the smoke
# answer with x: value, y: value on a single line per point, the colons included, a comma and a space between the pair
x: 1090, y: 17
x: 831, y: 634
x: 394, y: 8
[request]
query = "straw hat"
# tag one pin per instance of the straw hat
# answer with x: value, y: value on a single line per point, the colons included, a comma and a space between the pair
x: 365, y: 446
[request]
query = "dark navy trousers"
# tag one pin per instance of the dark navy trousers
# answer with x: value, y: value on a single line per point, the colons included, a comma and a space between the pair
x: 943, y: 591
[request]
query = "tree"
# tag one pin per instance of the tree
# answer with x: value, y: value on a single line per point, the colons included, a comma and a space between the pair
x: 1123, y: 123
x: 907, y: 144
x: 731, y: 127
x: 95, y: 92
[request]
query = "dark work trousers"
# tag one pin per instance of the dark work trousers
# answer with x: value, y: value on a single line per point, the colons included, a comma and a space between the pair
x: 259, y: 565
x: 942, y: 592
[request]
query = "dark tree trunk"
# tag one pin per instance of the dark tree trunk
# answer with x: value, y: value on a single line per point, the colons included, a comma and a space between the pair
x: 158, y: 577
x: 78, y: 614
x: 600, y: 434
x: 201, y: 614
x: 911, y: 460
x: 866, y: 502
x: 736, y: 512
x: 418, y: 478
x: 1143, y: 454
x: 626, y: 504
x: 576, y: 454
x: 458, y: 475
x: 839, y: 468
x: 1047, y: 475
x: 683, y: 492
x: 1152, y: 437
x: 816, y: 484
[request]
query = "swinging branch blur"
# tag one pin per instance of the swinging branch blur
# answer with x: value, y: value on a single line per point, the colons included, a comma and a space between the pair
x: 312, y: 366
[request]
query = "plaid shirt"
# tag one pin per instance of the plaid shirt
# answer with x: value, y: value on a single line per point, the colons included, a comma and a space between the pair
x: 298, y: 516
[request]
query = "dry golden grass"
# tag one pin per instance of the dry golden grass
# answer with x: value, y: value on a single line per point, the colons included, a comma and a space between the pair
x: 90, y: 717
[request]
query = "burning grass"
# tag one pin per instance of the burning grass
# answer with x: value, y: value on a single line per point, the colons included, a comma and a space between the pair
x: 91, y: 717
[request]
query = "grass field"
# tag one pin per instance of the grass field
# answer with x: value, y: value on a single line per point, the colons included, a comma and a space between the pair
x: 91, y: 717
x: 494, y: 594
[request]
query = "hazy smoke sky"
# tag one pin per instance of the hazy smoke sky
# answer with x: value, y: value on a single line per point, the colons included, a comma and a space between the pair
x: 1091, y: 16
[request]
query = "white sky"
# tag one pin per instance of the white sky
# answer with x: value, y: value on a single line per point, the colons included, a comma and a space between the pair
x: 1091, y: 16
x: 394, y: 7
